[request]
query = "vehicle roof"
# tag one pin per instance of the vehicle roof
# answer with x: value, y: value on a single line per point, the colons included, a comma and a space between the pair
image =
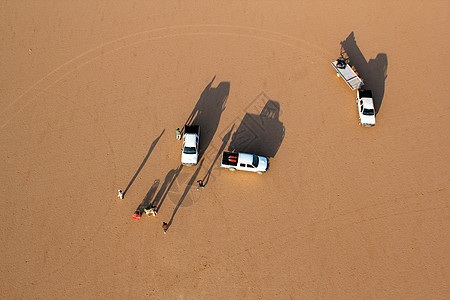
x: 245, y: 158
x: 189, y: 140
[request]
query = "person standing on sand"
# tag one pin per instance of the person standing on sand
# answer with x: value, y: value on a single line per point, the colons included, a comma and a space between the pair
x: 200, y: 184
x: 120, y: 195
x: 178, y: 133
x: 164, y: 227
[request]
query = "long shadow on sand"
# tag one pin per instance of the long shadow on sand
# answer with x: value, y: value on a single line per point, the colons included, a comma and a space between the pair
x: 260, y: 134
x: 374, y: 72
x: 225, y: 140
x: 148, y: 197
x: 152, y: 146
x: 186, y: 191
x: 171, y: 177
x: 208, y: 110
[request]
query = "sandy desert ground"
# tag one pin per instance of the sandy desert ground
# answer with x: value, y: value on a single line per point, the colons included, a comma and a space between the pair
x: 91, y: 93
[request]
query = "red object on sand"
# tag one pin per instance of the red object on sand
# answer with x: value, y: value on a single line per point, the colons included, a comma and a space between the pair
x: 136, y: 216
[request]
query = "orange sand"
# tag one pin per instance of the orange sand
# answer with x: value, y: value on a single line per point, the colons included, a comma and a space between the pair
x: 344, y: 212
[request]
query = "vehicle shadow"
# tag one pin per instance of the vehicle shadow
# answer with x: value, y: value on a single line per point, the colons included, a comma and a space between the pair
x: 260, y: 134
x: 148, y: 197
x: 207, y: 112
x: 373, y: 73
x: 152, y: 146
x: 186, y: 191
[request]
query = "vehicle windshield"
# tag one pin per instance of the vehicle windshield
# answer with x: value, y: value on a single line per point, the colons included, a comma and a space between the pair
x: 255, y: 161
x: 368, y: 112
x: 189, y: 150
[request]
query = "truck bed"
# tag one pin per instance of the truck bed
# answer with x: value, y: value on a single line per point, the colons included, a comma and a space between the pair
x: 349, y: 76
x: 365, y: 93
x: 191, y: 129
x: 230, y: 159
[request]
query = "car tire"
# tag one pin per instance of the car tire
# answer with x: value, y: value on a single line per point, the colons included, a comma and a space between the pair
x: 232, y: 169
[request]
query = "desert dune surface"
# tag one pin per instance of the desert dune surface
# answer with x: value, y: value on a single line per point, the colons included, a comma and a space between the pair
x: 91, y: 93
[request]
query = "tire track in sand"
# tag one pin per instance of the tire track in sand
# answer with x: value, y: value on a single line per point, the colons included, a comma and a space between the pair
x: 52, y: 78
x: 31, y: 93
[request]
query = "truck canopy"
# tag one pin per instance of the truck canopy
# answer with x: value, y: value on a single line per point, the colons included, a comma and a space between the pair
x: 248, y: 159
x: 190, y: 140
x: 368, y: 103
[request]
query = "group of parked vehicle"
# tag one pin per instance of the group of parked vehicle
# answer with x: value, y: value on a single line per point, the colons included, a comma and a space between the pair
x: 364, y: 100
x: 231, y: 160
x: 259, y: 164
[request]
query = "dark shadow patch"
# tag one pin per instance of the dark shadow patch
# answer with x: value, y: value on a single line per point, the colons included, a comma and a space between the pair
x: 373, y: 73
x: 208, y: 110
x: 260, y: 134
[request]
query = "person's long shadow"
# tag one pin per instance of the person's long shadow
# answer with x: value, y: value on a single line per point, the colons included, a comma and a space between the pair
x: 148, y: 197
x: 171, y: 177
x: 260, y: 134
x: 373, y: 73
x: 207, y: 112
x: 186, y: 191
x: 225, y: 140
x: 152, y: 146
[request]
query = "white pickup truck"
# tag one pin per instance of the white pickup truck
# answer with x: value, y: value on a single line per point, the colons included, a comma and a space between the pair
x: 246, y: 162
x: 366, y: 109
x: 191, y: 139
